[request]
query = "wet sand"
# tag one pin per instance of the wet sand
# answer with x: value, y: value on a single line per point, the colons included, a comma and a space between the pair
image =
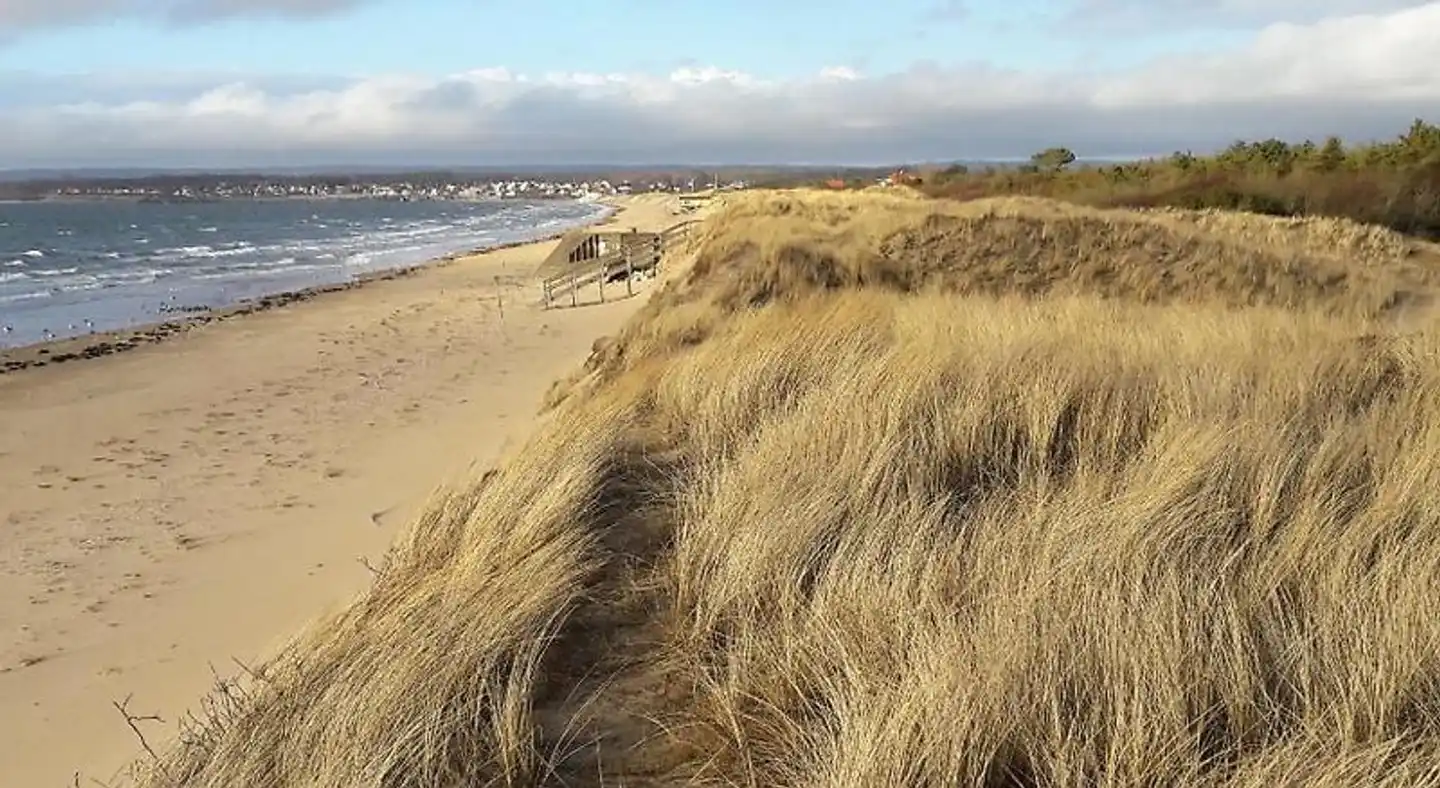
x: 184, y: 506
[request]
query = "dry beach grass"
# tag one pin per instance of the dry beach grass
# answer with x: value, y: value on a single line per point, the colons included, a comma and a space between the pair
x: 882, y: 491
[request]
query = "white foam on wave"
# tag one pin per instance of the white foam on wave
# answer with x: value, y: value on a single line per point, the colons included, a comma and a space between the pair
x: 26, y: 296
x: 33, y: 253
x: 141, y: 276
x: 203, y: 252
x: 58, y: 272
x: 14, y: 263
x: 187, y: 251
x: 13, y: 276
x: 82, y: 284
x: 248, y: 270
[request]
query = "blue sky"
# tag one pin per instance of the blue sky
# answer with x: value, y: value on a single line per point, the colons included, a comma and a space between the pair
x: 481, y: 81
x: 444, y: 36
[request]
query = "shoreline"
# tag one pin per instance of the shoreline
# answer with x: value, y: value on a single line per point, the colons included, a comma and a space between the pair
x: 106, y: 343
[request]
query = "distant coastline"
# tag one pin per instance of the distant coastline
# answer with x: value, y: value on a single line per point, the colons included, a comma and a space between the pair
x: 196, y: 187
x: 151, y: 199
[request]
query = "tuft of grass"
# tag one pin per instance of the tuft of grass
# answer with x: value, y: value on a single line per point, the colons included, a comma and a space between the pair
x: 883, y: 491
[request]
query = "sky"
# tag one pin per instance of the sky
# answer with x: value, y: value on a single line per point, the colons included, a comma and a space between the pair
x: 278, y: 83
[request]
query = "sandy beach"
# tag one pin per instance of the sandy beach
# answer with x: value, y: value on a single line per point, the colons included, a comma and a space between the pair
x: 186, y: 505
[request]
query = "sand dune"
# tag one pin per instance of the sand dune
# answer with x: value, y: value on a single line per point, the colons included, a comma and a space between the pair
x: 190, y: 503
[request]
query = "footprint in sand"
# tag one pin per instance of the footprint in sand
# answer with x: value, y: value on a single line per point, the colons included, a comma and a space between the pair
x: 28, y: 661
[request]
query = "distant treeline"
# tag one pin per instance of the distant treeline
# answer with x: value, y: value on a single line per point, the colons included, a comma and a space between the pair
x: 1395, y: 183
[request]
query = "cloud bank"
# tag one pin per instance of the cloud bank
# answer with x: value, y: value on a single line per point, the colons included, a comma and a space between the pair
x: 1178, y: 13
x: 1360, y: 76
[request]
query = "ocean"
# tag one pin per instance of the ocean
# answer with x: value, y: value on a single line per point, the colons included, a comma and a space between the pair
x: 71, y: 268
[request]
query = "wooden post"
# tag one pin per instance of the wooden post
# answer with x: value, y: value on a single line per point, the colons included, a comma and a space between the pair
x: 629, y: 271
x: 574, y: 290
x: 604, y: 272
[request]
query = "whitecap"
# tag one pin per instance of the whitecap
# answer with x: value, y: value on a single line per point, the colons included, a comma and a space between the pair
x: 30, y: 296
x: 250, y: 270
x: 203, y: 250
x: 134, y: 276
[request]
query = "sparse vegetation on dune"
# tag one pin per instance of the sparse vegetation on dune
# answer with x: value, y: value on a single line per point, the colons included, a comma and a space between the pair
x: 789, y: 245
x: 1394, y: 183
x: 885, y: 491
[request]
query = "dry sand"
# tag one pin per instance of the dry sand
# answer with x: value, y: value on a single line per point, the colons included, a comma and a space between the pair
x: 171, y: 510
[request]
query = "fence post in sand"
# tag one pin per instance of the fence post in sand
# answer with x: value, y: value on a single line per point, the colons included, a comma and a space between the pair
x: 574, y: 290
x: 604, y: 272
x: 629, y: 272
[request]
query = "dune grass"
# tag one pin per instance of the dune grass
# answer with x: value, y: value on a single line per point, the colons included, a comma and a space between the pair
x: 846, y: 506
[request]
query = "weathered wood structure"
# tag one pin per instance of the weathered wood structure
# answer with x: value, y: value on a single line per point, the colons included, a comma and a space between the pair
x: 583, y: 246
x: 694, y: 201
x: 585, y: 257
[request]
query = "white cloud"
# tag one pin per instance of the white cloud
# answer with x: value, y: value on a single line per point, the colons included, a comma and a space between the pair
x: 1177, y: 14
x: 1360, y: 76
x: 1390, y: 57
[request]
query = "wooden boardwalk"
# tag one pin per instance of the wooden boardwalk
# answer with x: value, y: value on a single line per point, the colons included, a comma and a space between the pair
x: 624, y: 262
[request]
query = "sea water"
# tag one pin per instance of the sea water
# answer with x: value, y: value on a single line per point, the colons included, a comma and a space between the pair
x: 69, y: 268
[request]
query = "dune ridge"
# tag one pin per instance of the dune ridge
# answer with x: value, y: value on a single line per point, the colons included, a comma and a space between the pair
x: 884, y: 491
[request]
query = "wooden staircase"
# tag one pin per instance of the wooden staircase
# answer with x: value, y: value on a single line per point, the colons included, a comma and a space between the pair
x: 625, y: 262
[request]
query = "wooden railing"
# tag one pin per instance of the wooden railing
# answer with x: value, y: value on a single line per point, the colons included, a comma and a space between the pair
x: 628, y: 260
